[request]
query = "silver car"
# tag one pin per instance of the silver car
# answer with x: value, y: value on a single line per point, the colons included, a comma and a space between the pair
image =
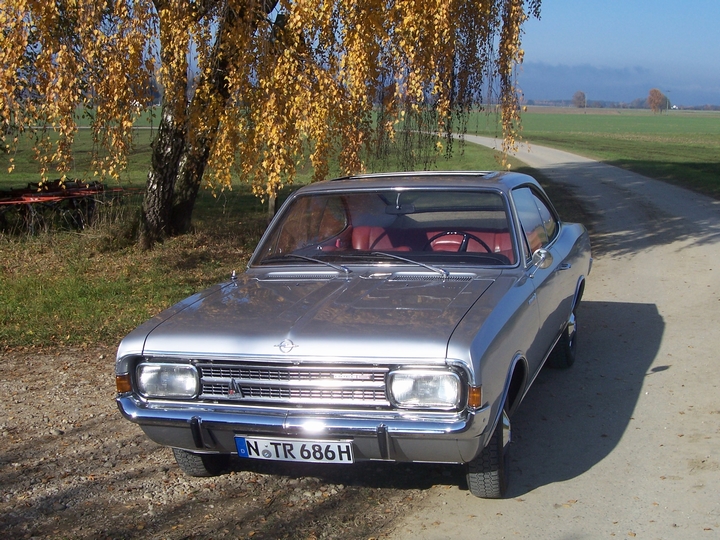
x: 396, y: 317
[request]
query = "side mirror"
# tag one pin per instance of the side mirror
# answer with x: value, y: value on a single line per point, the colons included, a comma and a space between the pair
x: 541, y: 260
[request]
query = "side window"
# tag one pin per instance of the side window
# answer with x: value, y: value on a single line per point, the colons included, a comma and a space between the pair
x: 530, y: 219
x: 549, y: 220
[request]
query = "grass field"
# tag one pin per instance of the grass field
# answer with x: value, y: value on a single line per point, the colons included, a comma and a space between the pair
x: 92, y: 286
x: 26, y: 168
x: 86, y: 287
x: 681, y: 147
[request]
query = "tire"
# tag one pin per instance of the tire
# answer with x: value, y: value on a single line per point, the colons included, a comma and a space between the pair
x: 563, y: 354
x: 200, y: 464
x: 487, y: 474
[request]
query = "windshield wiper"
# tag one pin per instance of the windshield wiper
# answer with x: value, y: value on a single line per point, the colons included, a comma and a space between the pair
x: 444, y: 273
x: 384, y: 254
x: 338, y: 267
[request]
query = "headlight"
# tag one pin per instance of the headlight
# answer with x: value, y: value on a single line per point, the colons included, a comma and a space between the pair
x: 167, y: 380
x: 425, y: 389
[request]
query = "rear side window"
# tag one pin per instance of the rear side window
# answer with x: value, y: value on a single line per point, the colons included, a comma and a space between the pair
x: 549, y: 221
x: 539, y: 223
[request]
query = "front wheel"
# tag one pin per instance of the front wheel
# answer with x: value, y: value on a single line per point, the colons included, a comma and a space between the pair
x: 487, y: 474
x: 194, y: 464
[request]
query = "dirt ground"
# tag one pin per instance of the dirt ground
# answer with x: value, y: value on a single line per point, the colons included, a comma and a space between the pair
x: 72, y: 467
x: 625, y: 444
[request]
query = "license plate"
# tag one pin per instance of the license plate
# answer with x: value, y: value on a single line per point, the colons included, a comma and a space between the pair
x: 309, y: 451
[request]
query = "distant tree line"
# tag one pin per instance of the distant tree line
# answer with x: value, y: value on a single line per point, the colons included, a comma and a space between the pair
x: 579, y: 100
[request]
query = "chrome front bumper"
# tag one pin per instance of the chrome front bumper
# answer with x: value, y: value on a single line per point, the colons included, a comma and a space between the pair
x: 376, y: 435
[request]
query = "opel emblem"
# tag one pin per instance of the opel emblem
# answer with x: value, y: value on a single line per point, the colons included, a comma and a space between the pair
x: 286, y: 346
x: 235, y: 391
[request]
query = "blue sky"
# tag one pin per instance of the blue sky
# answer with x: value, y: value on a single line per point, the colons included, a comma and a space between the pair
x: 618, y: 50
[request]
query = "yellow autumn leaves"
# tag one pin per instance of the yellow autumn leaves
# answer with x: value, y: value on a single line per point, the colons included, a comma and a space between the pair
x: 61, y: 59
x: 308, y: 80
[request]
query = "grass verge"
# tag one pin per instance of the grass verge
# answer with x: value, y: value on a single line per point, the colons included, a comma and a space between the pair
x: 679, y: 147
x: 92, y: 287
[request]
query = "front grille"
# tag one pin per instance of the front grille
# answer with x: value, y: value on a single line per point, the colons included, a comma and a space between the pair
x: 294, y: 385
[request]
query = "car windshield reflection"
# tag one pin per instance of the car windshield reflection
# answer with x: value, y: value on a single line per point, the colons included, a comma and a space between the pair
x: 423, y: 226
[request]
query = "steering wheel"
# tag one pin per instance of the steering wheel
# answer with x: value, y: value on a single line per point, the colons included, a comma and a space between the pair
x: 466, y: 237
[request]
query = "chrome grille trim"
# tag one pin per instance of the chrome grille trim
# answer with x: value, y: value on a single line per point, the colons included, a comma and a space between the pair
x: 293, y: 385
x: 295, y: 276
x: 408, y: 276
x: 431, y: 278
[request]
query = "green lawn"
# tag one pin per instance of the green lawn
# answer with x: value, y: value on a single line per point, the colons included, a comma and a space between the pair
x: 26, y: 168
x: 681, y: 147
x: 93, y: 286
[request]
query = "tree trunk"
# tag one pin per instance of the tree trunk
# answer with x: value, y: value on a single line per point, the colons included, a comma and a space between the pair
x: 178, y: 165
x: 169, y: 143
x: 187, y: 184
x: 167, y: 151
x: 272, y: 204
x: 178, y: 161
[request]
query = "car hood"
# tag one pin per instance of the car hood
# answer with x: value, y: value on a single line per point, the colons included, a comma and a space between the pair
x: 391, y: 315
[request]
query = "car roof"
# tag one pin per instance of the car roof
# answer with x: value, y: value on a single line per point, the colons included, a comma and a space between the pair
x: 502, y: 181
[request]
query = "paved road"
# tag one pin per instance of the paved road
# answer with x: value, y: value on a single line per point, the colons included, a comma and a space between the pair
x: 626, y: 444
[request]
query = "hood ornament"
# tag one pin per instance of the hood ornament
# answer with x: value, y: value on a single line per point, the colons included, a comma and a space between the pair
x: 286, y: 346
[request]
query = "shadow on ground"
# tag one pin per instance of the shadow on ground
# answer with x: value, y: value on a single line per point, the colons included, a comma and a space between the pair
x: 103, y: 478
x: 572, y: 419
x: 623, y: 222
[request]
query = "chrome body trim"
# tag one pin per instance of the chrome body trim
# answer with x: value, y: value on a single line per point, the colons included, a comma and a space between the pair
x: 388, y: 435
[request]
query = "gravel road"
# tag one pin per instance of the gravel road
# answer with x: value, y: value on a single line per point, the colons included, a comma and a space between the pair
x: 72, y: 467
x: 625, y: 444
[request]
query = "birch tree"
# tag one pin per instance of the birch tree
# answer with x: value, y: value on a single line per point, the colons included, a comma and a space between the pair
x: 250, y: 88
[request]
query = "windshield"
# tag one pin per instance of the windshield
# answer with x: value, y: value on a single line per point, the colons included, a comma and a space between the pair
x: 431, y: 226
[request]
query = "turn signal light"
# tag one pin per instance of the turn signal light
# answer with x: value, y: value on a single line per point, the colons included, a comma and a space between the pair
x: 475, y: 397
x: 122, y: 382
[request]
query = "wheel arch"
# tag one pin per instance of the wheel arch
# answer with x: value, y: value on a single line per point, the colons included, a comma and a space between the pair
x: 579, y: 291
x: 515, y: 385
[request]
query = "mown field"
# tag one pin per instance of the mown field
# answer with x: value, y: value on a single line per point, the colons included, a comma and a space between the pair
x: 681, y: 147
x: 91, y: 286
